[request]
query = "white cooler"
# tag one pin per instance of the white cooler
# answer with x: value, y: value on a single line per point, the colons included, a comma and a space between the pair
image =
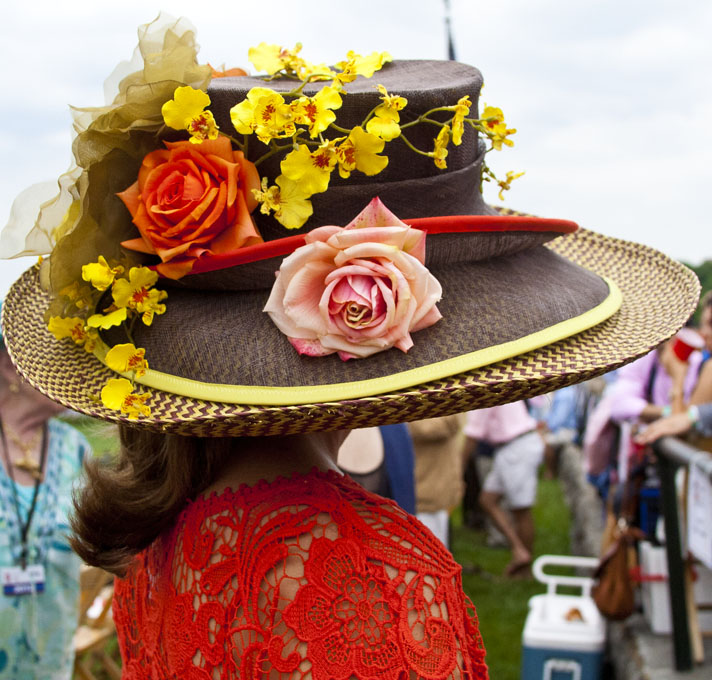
x: 564, y: 635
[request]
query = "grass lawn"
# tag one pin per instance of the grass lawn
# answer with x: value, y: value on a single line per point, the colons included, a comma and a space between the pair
x: 502, y: 603
x: 103, y: 436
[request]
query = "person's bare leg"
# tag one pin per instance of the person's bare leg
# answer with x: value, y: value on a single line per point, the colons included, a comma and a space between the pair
x: 521, y: 554
x: 524, y: 525
x: 550, y: 462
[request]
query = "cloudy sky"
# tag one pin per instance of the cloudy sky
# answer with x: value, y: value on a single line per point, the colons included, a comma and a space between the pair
x: 611, y: 99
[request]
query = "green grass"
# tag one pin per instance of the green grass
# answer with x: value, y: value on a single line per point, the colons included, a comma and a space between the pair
x: 501, y: 602
x: 103, y: 437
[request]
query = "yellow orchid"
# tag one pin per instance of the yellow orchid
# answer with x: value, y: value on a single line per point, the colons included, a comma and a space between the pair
x: 316, y: 111
x: 126, y: 357
x: 315, y: 72
x: 104, y: 321
x: 295, y: 208
x: 273, y: 58
x: 505, y: 184
x: 118, y: 395
x: 462, y: 108
x: 384, y: 123
x: 265, y: 113
x: 131, y: 292
x: 100, y: 274
x: 347, y: 74
x: 73, y: 328
x: 364, y: 66
x: 311, y: 169
x: 152, y: 305
x: 495, y: 127
x: 392, y: 101
x: 267, y: 197
x: 439, y: 153
x: 78, y: 294
x: 185, y: 112
x: 360, y: 152
x: 67, y: 327
x: 136, y: 293
x: 291, y: 206
x: 202, y: 126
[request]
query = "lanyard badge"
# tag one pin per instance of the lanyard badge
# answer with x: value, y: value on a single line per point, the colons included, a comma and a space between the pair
x: 19, y: 581
x: 26, y: 578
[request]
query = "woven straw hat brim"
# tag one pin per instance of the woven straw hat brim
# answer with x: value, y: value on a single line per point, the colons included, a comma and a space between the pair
x: 659, y: 295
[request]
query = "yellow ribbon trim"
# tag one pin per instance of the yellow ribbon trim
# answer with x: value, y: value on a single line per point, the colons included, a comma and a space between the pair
x: 311, y: 394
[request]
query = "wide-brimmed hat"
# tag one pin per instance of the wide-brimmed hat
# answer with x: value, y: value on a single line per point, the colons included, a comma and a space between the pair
x: 466, y: 306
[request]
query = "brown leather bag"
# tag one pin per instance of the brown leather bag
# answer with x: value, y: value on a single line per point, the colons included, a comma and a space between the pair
x: 614, y: 591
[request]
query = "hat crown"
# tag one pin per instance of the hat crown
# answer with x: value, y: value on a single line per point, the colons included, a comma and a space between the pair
x: 411, y: 185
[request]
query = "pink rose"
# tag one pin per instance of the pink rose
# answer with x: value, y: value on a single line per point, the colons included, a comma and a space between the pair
x: 356, y: 290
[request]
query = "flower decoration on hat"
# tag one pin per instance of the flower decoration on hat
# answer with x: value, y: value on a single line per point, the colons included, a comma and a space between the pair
x: 356, y: 290
x: 118, y: 395
x: 188, y: 191
x: 133, y: 299
x: 190, y: 200
x: 304, y: 131
x: 187, y: 111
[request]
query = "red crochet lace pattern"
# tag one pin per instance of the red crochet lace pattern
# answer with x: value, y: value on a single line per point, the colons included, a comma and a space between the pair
x: 306, y: 578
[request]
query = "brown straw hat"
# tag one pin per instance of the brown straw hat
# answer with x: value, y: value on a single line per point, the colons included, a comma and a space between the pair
x: 528, y: 305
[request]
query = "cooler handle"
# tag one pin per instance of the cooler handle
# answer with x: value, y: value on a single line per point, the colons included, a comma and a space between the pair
x: 562, y: 666
x: 552, y: 581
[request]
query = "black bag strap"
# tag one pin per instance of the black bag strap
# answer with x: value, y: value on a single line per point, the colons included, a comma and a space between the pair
x: 651, y: 382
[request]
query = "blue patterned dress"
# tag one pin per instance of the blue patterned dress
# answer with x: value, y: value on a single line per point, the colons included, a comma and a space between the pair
x: 36, y: 630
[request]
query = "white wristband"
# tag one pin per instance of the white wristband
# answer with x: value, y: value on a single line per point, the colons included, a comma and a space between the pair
x: 693, y: 413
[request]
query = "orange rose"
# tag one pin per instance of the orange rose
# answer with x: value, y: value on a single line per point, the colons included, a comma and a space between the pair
x: 192, y: 200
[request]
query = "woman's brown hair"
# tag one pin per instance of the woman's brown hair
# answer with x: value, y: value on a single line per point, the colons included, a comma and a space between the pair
x: 128, y: 502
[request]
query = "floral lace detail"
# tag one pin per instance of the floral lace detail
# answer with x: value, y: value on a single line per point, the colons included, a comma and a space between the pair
x: 304, y: 578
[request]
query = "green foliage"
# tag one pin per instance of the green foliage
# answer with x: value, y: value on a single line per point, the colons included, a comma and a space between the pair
x: 704, y: 274
x: 502, y: 603
x: 103, y: 437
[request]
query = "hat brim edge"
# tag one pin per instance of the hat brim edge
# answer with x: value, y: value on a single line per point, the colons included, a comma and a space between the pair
x: 396, y: 382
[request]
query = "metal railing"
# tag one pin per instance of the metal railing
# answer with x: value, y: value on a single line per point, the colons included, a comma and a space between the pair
x: 671, y: 454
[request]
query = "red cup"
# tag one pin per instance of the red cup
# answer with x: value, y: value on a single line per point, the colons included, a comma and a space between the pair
x: 686, y: 342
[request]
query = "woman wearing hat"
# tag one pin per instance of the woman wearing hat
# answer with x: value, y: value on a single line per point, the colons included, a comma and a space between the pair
x: 242, y: 549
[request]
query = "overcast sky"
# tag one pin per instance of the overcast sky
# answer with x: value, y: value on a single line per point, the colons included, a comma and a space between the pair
x: 611, y: 99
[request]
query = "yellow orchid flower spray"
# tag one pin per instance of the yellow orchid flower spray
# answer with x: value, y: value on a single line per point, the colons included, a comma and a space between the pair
x: 294, y: 125
x: 133, y: 298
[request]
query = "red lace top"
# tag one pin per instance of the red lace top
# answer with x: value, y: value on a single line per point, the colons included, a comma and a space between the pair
x: 303, y: 578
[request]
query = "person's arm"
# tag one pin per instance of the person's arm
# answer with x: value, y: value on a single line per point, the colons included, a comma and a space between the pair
x: 677, y: 370
x: 702, y: 394
x: 698, y: 417
x: 676, y: 424
x: 650, y: 412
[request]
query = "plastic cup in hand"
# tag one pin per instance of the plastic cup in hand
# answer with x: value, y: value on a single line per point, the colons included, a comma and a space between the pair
x: 686, y: 342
